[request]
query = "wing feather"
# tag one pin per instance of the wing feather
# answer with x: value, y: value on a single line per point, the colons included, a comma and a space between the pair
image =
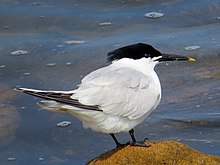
x: 60, y: 97
x: 118, y: 91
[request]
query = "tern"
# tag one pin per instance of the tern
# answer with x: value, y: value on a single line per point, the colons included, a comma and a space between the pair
x: 115, y: 98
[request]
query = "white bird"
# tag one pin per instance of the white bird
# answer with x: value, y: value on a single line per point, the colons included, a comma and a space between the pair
x: 115, y: 98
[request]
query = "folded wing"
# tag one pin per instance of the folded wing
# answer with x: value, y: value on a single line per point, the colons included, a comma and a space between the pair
x: 119, y: 91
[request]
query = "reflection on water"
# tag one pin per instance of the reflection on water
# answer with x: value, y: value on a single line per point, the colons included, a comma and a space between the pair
x: 189, y: 111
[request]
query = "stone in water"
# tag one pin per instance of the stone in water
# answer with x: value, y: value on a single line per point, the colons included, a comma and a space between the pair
x: 154, y: 15
x: 19, y: 52
x: 11, y: 159
x: 51, y: 64
x: 192, y: 47
x: 63, y: 124
x: 105, y: 23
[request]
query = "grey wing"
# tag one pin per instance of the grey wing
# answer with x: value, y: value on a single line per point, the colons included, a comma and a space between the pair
x: 122, y: 91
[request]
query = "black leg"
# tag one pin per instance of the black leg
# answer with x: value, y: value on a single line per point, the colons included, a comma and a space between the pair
x: 134, y: 142
x: 116, y: 141
x: 131, y: 132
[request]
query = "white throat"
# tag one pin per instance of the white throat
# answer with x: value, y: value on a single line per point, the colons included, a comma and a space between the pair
x: 144, y: 65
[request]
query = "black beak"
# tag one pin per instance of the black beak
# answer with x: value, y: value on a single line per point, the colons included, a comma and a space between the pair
x: 172, y: 57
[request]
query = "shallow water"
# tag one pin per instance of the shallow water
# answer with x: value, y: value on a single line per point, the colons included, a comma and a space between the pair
x: 190, y: 107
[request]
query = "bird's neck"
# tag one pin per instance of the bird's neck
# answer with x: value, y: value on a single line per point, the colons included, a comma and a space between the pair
x: 144, y: 65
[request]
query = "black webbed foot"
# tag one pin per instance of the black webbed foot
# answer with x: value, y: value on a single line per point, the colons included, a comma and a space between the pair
x: 140, y: 144
x: 135, y: 143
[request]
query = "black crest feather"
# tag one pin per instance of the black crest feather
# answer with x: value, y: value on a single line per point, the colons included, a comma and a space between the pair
x: 135, y: 51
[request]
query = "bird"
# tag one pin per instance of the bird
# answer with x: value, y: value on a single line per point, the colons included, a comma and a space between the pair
x: 115, y: 98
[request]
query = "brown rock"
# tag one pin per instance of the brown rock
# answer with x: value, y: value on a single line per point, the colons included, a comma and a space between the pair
x: 165, y: 152
x: 9, y: 119
x: 6, y: 93
x: 9, y: 116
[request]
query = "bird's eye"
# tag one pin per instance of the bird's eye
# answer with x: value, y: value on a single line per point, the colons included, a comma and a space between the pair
x: 146, y: 55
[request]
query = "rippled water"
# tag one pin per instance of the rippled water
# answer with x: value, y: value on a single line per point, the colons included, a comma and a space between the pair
x: 190, y: 107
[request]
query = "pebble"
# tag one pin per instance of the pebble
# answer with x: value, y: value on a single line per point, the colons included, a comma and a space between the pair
x: 64, y: 52
x: 63, y: 124
x: 204, y: 94
x: 6, y: 27
x: 36, y: 4
x: 154, y: 15
x: 105, y: 23
x: 192, y: 47
x: 19, y: 52
x: 198, y: 106
x: 210, y: 97
x: 74, y: 42
x: 51, y: 64
x: 27, y: 74
x: 11, y: 159
x: 68, y: 63
x: 2, y: 66
x: 59, y: 46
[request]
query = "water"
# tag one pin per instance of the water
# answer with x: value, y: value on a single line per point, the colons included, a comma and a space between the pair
x: 189, y: 110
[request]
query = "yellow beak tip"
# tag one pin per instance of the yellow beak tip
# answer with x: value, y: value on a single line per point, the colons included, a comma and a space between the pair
x: 191, y: 59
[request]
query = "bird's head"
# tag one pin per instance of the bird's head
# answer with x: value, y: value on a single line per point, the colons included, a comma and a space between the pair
x: 141, y: 50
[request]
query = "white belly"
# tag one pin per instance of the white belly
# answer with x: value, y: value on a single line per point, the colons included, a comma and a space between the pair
x: 106, y: 123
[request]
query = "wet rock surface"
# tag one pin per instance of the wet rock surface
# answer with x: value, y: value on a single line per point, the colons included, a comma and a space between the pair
x: 9, y: 116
